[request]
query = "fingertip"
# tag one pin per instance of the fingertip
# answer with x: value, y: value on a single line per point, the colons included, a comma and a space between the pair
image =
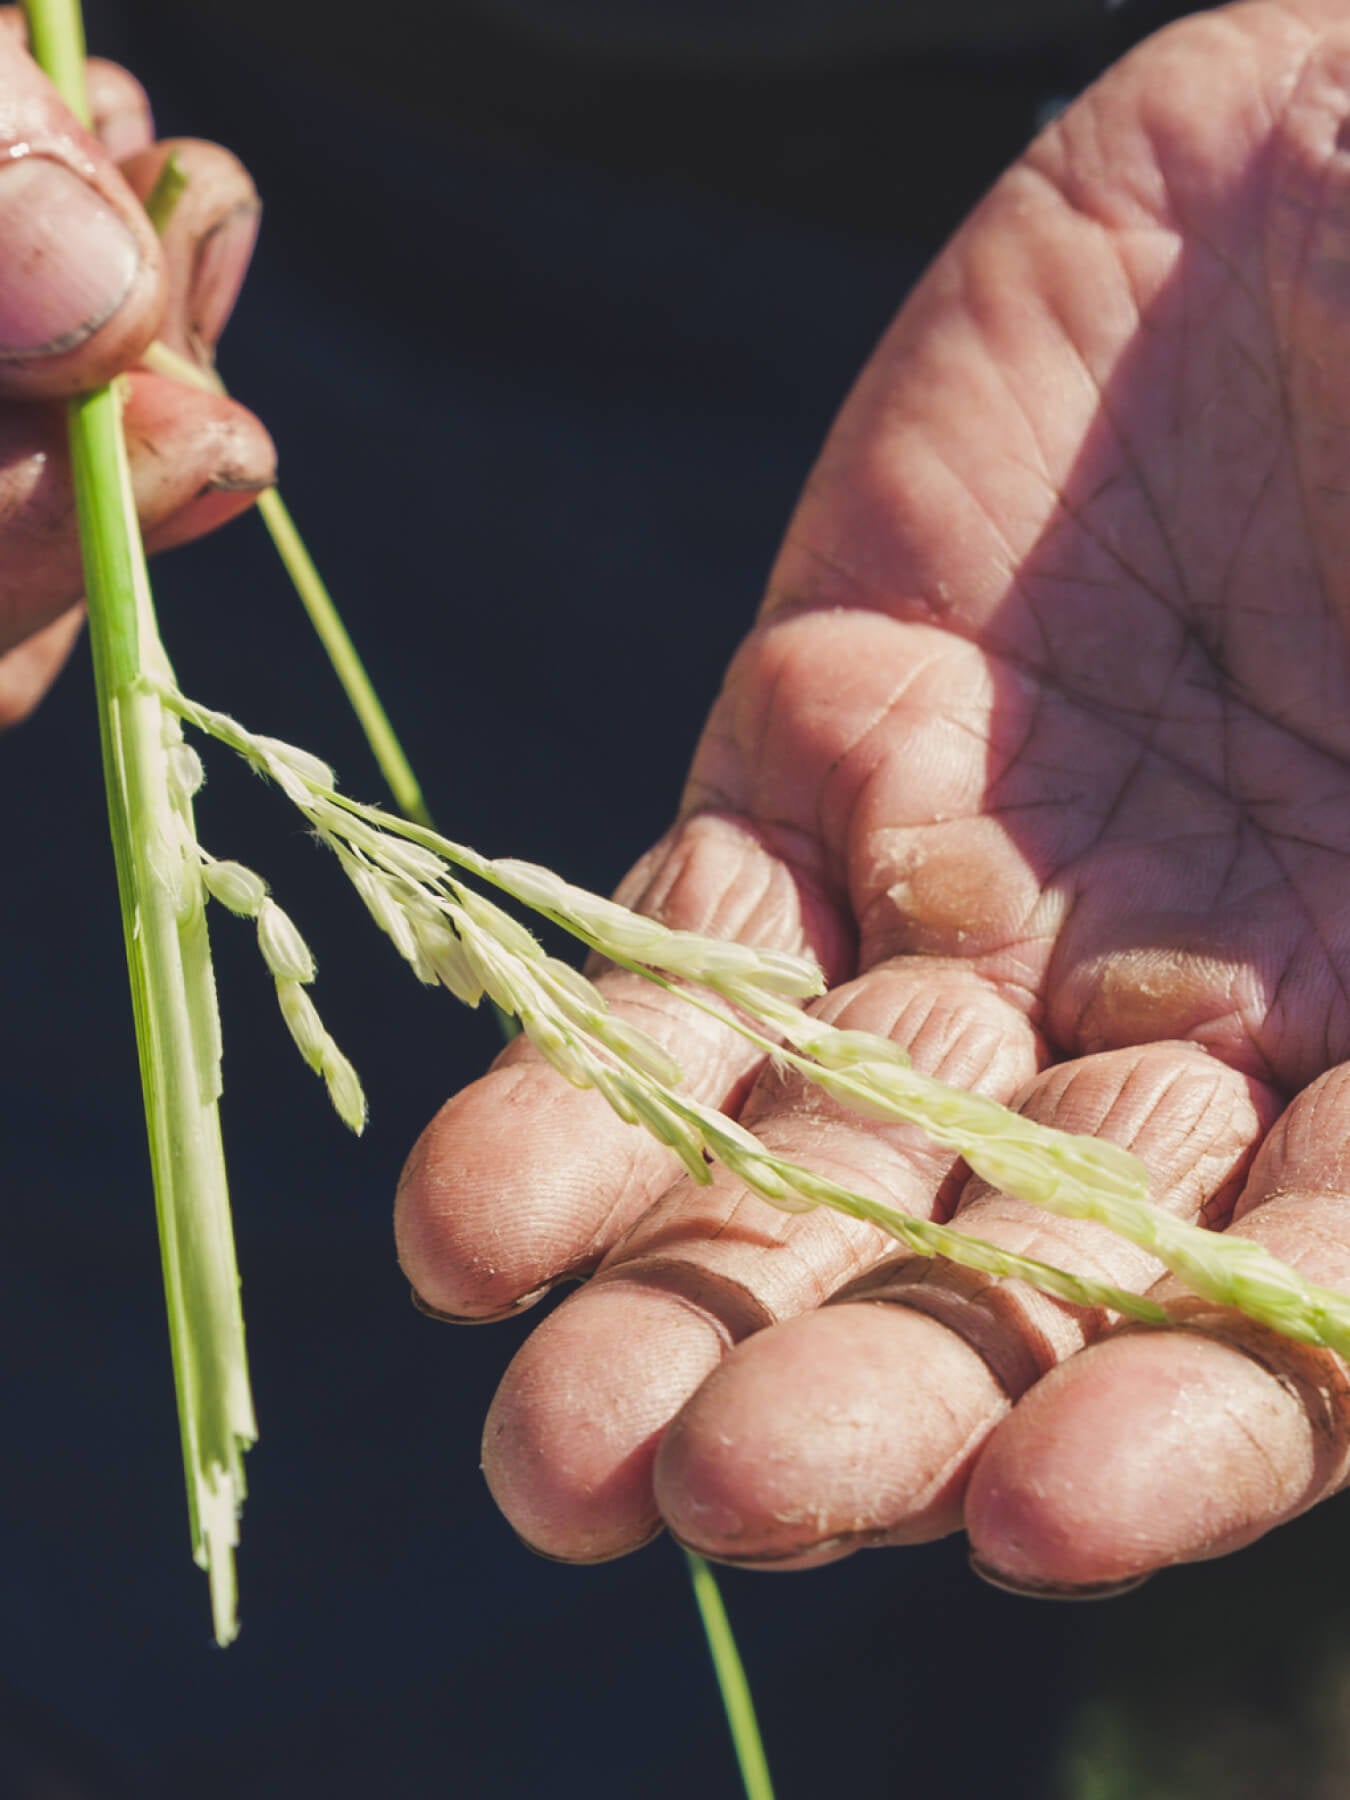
x: 197, y: 459
x: 571, y: 1435
x: 217, y: 502
x: 28, y: 670
x: 120, y: 108
x: 491, y: 1204
x: 856, y: 1424
x: 235, y: 460
x: 1148, y: 1449
x: 460, y: 1265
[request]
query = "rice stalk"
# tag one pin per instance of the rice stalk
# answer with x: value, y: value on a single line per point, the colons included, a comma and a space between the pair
x: 150, y: 777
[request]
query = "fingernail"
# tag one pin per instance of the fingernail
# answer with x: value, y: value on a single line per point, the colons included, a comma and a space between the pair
x: 830, y: 1549
x: 222, y: 262
x: 226, y: 483
x: 69, y: 260
x: 583, y: 1562
x: 1052, y: 1590
x: 506, y: 1312
x: 434, y: 1312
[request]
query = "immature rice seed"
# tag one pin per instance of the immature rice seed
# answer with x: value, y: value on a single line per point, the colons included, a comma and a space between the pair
x: 384, y: 906
x: 284, y: 951
x: 186, y: 773
x: 444, y: 952
x: 312, y: 770
x: 344, y: 1088
x: 236, y: 887
x: 303, y: 1023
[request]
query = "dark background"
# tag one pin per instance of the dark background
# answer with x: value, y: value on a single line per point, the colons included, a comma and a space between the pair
x: 547, y: 320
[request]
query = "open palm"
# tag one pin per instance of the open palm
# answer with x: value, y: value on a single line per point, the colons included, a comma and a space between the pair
x: 1040, y: 745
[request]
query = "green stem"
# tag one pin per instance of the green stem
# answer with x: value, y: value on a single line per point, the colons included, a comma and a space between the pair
x: 168, y: 956
x: 56, y: 39
x: 735, y: 1689
x: 162, y: 200
x: 349, y: 668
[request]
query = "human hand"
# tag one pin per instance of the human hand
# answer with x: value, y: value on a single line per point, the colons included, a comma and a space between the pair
x: 1039, y: 745
x: 84, y: 287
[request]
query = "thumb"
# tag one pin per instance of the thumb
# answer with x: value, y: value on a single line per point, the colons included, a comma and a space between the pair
x: 81, y: 287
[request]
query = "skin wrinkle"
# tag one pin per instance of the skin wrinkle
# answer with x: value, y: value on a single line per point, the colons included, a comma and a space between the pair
x: 1254, y: 366
x: 1092, y: 710
x: 1104, y: 412
x: 1306, y: 1122
x: 753, y: 756
x: 788, y: 1282
x: 1129, y: 776
x: 1077, y: 517
x: 998, y: 655
x: 1314, y: 1236
x: 1227, y: 611
x: 1314, y: 1381
x: 1259, y: 1448
x: 860, y: 1248
x: 1122, y: 1103
x: 974, y: 1314
x: 692, y: 1288
x: 1310, y: 916
x: 802, y: 865
x: 922, y: 1499
x: 1022, y: 996
x: 1011, y: 560
x: 606, y: 1230
x: 1228, y: 884
x: 879, y: 717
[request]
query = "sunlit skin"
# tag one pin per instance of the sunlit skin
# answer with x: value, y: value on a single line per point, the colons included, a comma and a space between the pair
x: 197, y: 460
x: 1040, y: 744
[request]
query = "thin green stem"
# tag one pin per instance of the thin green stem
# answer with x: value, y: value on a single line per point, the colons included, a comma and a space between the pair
x: 350, y: 670
x: 731, y: 1681
x: 162, y: 200
x: 56, y: 39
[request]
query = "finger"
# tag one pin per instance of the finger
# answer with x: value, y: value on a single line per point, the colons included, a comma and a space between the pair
x: 521, y: 1180
x: 1166, y: 1446
x: 207, y: 240
x: 860, y: 1424
x: 194, y: 459
x: 120, y: 108
x: 27, y: 671
x: 571, y: 1436
x: 80, y: 279
x: 195, y: 465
